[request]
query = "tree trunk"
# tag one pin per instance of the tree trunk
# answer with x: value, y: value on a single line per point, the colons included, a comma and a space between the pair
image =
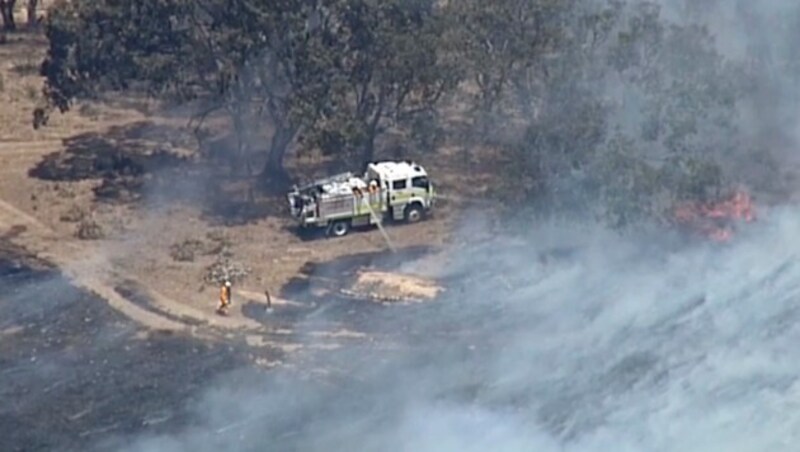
x: 7, y: 11
x: 32, y: 20
x: 241, y: 158
x: 372, y: 130
x: 368, y: 152
x: 274, y: 173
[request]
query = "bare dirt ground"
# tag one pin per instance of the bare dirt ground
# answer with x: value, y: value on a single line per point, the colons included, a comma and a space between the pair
x: 73, y: 178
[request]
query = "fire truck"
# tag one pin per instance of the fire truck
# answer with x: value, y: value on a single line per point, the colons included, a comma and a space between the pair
x: 388, y: 190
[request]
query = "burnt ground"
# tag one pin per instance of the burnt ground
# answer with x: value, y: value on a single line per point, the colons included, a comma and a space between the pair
x: 76, y: 375
x: 426, y: 327
x: 322, y: 303
x: 72, y: 370
x: 318, y: 293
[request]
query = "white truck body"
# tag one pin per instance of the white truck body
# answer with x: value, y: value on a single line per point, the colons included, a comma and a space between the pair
x: 393, y: 190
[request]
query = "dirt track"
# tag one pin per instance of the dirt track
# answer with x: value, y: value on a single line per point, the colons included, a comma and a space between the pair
x: 97, y: 278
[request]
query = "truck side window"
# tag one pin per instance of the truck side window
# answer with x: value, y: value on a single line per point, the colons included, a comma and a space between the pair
x: 420, y: 182
x: 398, y: 185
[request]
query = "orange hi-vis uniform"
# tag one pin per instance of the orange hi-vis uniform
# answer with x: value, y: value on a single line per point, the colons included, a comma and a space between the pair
x: 224, y: 297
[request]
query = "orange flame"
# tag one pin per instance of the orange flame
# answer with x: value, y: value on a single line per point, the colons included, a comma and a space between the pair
x: 715, y: 220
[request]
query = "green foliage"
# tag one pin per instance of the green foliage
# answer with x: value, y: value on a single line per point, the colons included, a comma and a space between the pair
x: 425, y: 130
x: 388, y: 69
x: 698, y: 179
x: 623, y: 111
x: 675, y: 72
x: 102, y: 45
x: 253, y: 60
x: 627, y: 186
x: 663, y: 89
x: 497, y: 42
x: 336, y: 71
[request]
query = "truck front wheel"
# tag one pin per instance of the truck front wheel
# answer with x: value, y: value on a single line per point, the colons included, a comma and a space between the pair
x: 414, y: 213
x: 339, y: 228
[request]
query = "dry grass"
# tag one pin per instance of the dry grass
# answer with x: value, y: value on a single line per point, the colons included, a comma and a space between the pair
x: 395, y: 286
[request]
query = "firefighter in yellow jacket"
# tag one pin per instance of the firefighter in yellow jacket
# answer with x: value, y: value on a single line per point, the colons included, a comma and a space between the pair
x: 224, y: 298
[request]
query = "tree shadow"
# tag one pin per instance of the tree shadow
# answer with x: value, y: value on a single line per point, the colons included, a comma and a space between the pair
x: 123, y: 158
x: 241, y: 201
x: 137, y: 162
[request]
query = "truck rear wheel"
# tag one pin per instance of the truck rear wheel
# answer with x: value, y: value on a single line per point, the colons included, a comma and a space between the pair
x: 339, y: 228
x: 414, y: 213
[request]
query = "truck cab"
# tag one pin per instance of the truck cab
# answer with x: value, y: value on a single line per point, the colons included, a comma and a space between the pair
x: 408, y: 191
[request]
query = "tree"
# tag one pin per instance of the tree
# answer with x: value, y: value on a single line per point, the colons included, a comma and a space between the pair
x: 7, y: 13
x: 686, y: 90
x: 388, y: 69
x: 624, y: 109
x: 571, y: 118
x: 31, y: 9
x: 101, y: 46
x: 504, y: 44
x: 249, y: 59
x: 677, y: 115
x: 292, y: 72
x: 336, y: 73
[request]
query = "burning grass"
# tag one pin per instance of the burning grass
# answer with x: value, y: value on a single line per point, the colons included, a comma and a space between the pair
x: 715, y: 220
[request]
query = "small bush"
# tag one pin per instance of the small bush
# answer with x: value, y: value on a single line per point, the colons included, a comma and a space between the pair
x: 220, y: 244
x: 89, y: 111
x: 29, y: 65
x: 88, y: 229
x: 225, y: 269
x: 186, y: 251
x: 64, y: 191
x: 74, y: 215
x: 32, y: 92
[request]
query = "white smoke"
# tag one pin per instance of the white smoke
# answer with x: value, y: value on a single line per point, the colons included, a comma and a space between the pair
x: 602, y: 349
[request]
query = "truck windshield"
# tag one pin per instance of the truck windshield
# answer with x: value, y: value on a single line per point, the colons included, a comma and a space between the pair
x: 420, y: 182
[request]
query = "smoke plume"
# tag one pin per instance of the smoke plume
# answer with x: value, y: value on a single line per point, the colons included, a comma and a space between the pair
x: 607, y: 344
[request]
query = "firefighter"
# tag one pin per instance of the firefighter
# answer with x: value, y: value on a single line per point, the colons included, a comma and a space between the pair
x: 224, y: 298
